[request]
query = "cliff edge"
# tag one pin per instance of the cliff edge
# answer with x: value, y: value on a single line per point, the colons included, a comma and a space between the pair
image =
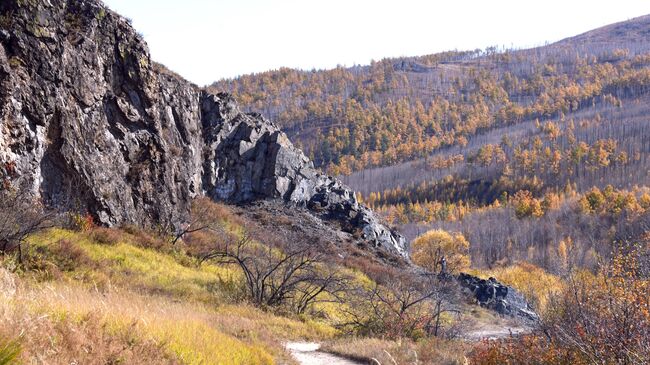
x: 88, y: 122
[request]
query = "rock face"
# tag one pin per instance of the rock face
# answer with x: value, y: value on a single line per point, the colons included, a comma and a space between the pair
x: 494, y: 295
x: 88, y: 121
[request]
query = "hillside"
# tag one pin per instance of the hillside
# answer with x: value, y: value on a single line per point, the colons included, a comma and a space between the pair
x: 458, y: 139
x: 145, y: 220
x: 114, y: 250
x: 395, y: 110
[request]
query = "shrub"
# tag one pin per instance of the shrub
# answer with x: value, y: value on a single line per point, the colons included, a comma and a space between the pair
x: 278, y: 274
x: 20, y: 216
x: 106, y: 236
x: 81, y: 222
x: 404, y: 306
x: 595, y: 319
x: 69, y: 256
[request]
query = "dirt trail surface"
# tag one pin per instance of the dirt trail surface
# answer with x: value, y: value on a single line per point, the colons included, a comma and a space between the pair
x: 495, y: 332
x: 308, y: 354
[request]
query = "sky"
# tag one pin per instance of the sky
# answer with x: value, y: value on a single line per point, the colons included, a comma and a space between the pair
x: 207, y: 40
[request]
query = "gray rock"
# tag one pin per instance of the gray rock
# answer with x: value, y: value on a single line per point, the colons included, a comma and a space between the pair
x: 92, y: 124
x: 494, y: 295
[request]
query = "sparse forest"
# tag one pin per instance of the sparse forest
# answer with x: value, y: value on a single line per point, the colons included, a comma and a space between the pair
x: 533, y: 165
x: 502, y: 146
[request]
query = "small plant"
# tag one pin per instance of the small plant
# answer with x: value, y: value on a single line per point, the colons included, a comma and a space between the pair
x: 15, y: 62
x: 6, y: 20
x: 73, y: 21
x: 101, y: 14
x: 69, y: 256
x: 106, y: 236
x: 9, y: 351
x: 81, y: 222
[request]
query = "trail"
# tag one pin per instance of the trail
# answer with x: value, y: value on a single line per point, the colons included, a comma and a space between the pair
x: 308, y: 354
x: 489, y: 332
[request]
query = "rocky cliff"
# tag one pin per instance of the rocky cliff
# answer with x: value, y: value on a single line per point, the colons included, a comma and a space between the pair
x: 90, y: 122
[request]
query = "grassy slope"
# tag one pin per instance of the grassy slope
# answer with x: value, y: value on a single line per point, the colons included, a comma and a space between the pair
x: 109, y: 296
x: 93, y: 302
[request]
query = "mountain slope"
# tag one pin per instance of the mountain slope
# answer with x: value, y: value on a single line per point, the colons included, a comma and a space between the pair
x: 503, y: 146
x: 622, y: 34
x: 90, y: 123
x: 396, y: 110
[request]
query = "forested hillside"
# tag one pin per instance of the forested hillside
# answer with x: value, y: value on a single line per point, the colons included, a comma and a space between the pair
x: 395, y: 110
x: 517, y: 138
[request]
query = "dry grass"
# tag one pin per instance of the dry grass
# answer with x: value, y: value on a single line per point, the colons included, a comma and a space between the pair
x: 430, y: 351
x: 63, y: 322
x: 101, y: 297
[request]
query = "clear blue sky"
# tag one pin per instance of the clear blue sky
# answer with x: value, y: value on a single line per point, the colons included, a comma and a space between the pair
x: 205, y: 40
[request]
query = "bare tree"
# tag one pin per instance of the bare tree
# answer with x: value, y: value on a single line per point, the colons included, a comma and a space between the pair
x: 406, y: 305
x: 20, y: 216
x: 281, y: 274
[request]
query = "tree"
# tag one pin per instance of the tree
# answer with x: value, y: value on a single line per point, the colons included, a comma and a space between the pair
x: 278, y: 274
x: 402, y: 305
x: 20, y: 216
x: 526, y: 205
x: 429, y: 249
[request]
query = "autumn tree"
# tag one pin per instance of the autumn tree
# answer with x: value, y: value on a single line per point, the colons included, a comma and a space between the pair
x: 526, y: 205
x: 429, y: 249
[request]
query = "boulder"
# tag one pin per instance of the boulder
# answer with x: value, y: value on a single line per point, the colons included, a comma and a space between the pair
x: 492, y: 294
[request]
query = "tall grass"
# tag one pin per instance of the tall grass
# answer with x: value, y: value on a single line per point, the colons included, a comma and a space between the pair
x: 115, y: 300
x: 9, y: 351
x: 125, y: 264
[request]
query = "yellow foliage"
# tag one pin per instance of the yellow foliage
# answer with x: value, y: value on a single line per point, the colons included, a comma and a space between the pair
x: 428, y: 250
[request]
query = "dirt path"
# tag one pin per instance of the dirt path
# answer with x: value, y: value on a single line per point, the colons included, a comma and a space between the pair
x: 308, y: 354
x: 495, y: 332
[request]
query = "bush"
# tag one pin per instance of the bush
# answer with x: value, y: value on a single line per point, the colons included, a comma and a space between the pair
x: 106, y: 236
x: 81, y: 222
x: 595, y: 319
x: 404, y: 306
x: 278, y: 274
x: 68, y: 256
x: 20, y: 216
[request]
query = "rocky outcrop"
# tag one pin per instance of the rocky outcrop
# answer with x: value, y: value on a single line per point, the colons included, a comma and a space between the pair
x: 492, y: 294
x: 89, y: 122
x: 249, y: 158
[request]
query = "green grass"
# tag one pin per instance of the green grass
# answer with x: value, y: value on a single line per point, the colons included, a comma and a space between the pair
x: 125, y: 264
x: 9, y: 351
